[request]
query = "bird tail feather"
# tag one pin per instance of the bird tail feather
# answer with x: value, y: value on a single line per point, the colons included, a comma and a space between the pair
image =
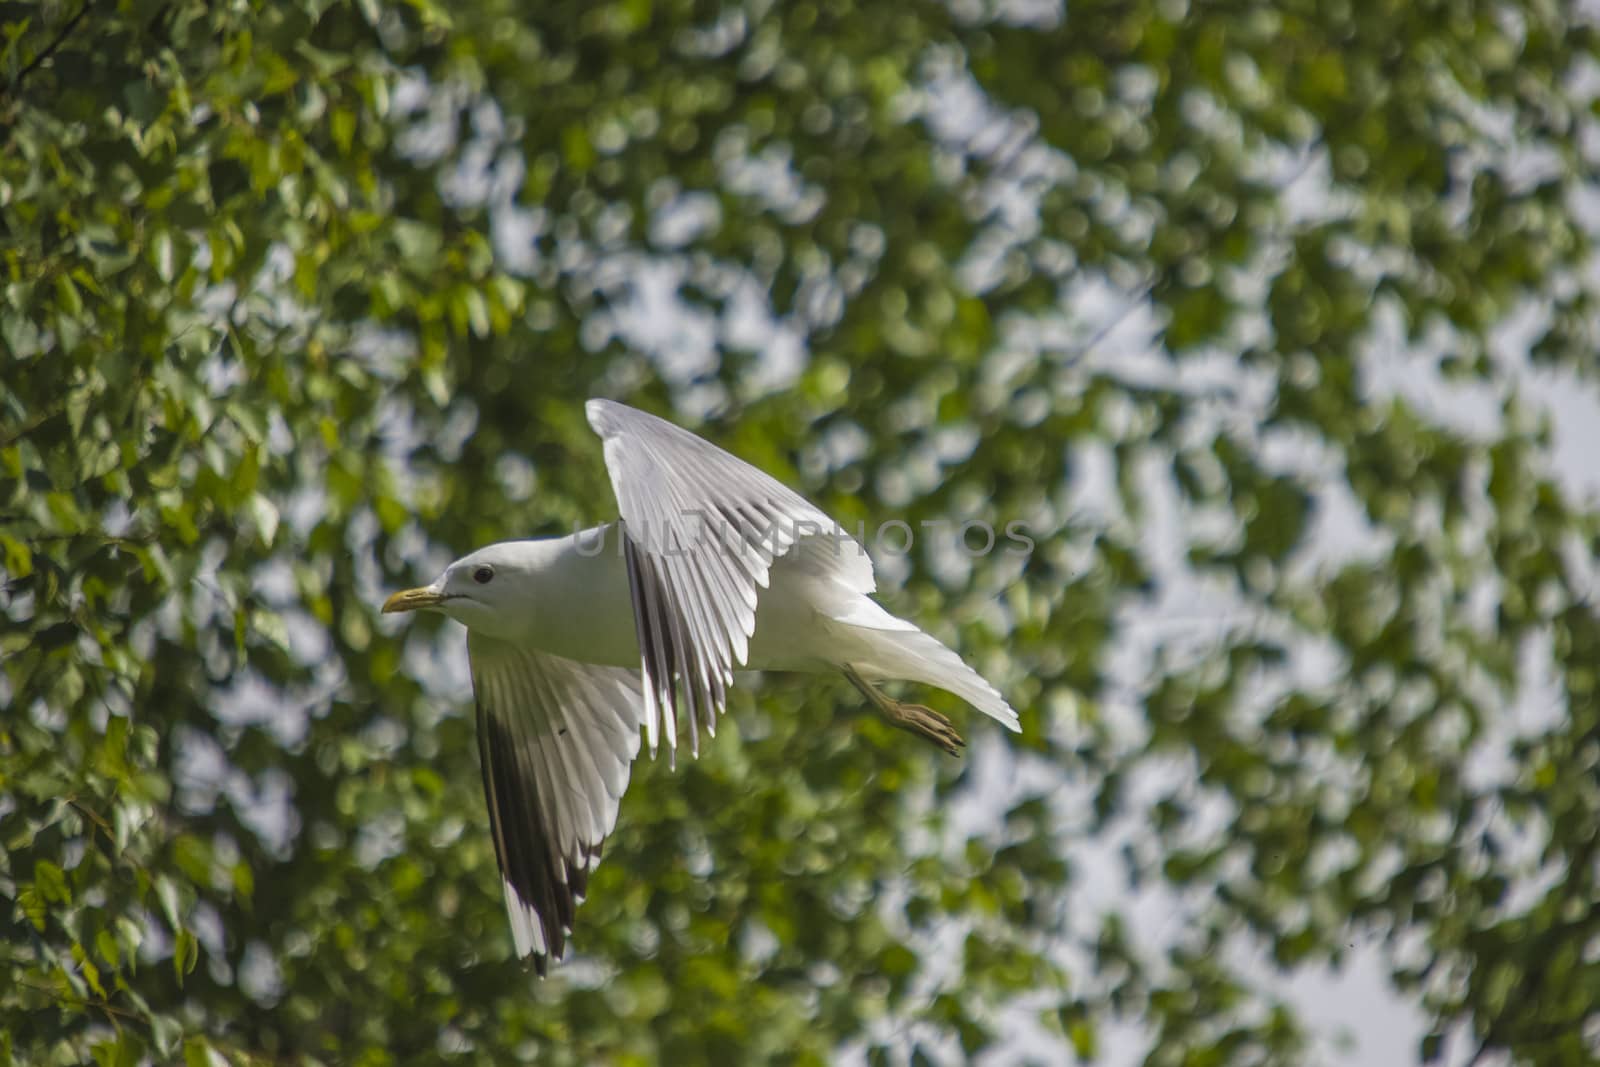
x: 914, y: 656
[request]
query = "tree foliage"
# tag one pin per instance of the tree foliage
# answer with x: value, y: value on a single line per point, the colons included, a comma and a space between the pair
x: 299, y: 299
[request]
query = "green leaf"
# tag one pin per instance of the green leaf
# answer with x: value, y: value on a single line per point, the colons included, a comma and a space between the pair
x: 167, y: 895
x: 86, y: 967
x: 18, y: 558
x: 68, y: 299
x: 106, y: 945
x: 264, y: 514
x: 185, y: 954
x: 51, y: 883
x: 196, y: 1053
x: 163, y: 256
x: 1082, y: 1036
x: 33, y: 905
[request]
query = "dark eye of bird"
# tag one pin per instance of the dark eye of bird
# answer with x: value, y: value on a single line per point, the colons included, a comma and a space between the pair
x: 482, y: 575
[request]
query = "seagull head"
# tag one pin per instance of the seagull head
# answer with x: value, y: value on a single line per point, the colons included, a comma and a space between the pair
x: 480, y: 591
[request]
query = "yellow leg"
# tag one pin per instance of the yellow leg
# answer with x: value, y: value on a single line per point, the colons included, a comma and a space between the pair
x: 912, y: 718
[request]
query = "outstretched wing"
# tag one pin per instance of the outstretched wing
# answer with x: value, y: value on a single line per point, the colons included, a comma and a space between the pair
x: 556, y: 739
x: 701, y: 530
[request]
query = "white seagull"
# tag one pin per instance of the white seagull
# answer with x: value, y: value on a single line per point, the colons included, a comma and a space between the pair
x: 575, y: 644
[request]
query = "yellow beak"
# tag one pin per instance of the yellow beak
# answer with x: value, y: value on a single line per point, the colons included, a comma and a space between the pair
x: 413, y: 600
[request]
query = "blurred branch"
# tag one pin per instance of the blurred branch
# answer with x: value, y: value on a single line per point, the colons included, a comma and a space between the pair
x: 45, y: 53
x: 106, y: 540
x: 1133, y: 300
x: 33, y: 424
x: 55, y: 995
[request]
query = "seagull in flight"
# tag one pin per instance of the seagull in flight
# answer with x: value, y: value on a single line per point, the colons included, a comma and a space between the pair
x: 579, y: 643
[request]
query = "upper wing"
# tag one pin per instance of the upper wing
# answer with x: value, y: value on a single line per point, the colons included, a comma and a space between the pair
x: 701, y: 530
x: 556, y: 739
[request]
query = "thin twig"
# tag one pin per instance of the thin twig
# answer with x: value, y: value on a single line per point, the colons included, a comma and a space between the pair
x: 90, y: 814
x: 48, y: 50
x: 33, y: 424
x: 77, y: 1002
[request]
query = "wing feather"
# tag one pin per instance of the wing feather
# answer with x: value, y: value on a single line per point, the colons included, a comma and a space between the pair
x: 701, y: 530
x: 556, y: 739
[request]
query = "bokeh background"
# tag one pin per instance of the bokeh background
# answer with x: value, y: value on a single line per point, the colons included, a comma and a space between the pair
x: 1274, y: 324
